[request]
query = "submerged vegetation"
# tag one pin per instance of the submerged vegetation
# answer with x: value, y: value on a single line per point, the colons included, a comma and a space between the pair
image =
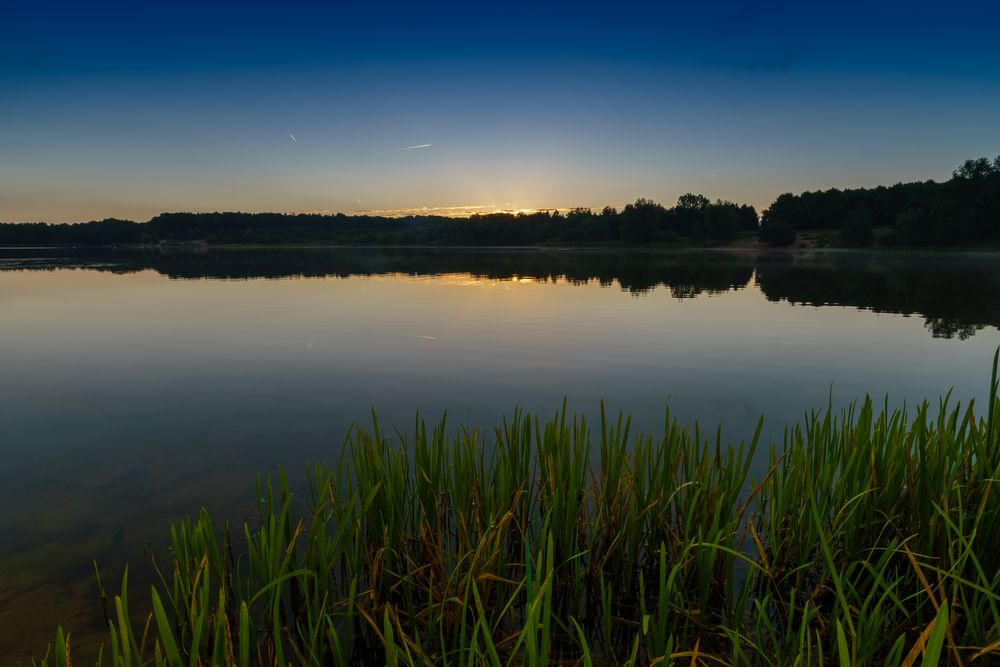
x: 867, y: 536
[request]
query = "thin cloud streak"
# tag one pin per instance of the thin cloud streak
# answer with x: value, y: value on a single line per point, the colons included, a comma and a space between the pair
x: 410, y: 148
x: 444, y: 211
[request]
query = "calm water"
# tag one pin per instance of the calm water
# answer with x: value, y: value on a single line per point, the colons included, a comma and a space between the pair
x: 136, y: 387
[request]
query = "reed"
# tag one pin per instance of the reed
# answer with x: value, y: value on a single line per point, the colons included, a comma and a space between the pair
x: 872, y: 539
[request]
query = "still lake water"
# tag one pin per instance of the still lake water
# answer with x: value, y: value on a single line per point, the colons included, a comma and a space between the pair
x: 136, y: 386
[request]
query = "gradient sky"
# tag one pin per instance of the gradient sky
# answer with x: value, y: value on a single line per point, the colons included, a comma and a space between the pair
x: 130, y: 109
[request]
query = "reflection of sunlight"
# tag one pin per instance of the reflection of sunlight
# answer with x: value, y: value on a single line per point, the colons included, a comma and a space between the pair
x: 462, y: 279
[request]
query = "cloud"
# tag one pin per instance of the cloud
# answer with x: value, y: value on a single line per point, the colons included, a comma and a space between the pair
x: 766, y: 64
x: 410, y: 148
x: 445, y: 211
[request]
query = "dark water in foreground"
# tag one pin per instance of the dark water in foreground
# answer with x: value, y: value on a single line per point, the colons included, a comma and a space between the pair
x: 137, y: 386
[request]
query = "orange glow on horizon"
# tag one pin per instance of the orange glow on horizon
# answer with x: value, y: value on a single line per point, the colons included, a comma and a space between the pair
x: 453, y: 211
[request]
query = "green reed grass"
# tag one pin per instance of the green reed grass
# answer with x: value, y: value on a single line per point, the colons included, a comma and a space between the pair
x: 872, y: 539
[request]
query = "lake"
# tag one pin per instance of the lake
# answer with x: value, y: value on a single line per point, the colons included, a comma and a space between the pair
x: 139, y: 385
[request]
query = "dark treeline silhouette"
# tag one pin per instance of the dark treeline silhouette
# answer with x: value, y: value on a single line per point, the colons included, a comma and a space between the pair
x: 956, y: 295
x: 965, y: 210
x: 639, y: 223
x: 961, y: 211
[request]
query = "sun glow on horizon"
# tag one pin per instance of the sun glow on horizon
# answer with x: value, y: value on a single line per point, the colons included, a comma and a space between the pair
x: 455, y: 211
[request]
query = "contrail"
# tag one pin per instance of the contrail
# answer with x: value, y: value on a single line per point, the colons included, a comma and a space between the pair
x: 410, y: 148
x: 293, y: 138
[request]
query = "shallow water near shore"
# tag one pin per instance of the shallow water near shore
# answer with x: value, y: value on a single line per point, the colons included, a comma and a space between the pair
x: 138, y: 386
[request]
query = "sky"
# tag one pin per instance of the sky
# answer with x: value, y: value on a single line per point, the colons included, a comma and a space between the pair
x: 113, y: 109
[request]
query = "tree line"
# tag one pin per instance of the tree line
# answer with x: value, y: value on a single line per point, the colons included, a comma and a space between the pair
x: 963, y: 210
x: 640, y: 223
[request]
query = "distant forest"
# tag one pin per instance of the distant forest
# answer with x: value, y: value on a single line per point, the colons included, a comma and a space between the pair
x: 641, y: 223
x: 964, y: 210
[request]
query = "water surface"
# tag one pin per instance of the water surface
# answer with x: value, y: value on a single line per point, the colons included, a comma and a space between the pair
x: 137, y: 386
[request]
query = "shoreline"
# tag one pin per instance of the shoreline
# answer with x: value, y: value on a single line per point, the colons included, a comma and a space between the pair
x: 743, y: 246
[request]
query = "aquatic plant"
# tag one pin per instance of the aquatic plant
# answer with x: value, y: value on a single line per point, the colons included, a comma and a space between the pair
x: 871, y: 538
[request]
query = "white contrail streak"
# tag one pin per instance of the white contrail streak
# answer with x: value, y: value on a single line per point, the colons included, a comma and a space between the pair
x: 410, y: 148
x: 293, y: 138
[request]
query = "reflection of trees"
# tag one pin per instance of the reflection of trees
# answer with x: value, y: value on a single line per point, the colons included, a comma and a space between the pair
x: 943, y: 328
x: 685, y: 274
x: 955, y: 294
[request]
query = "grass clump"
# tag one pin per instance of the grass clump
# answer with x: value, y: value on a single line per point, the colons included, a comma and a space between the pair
x: 873, y: 538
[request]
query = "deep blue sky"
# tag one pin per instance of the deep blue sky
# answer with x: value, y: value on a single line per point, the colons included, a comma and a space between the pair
x: 128, y: 109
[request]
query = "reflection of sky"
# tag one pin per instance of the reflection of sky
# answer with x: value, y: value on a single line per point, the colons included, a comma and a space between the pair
x: 130, y: 109
x: 92, y: 343
x: 129, y: 400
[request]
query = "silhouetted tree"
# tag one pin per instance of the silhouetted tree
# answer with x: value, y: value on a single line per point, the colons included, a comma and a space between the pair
x: 748, y: 219
x: 640, y: 221
x: 692, y: 201
x: 688, y: 216
x: 856, y: 230
x: 722, y: 220
x: 961, y: 210
x: 913, y: 228
x: 977, y: 169
x: 777, y: 233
